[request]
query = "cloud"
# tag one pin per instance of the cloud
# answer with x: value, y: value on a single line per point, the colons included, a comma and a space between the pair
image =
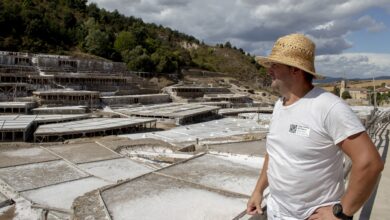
x: 331, y: 45
x: 353, y: 65
x: 248, y: 22
x: 371, y: 24
x: 254, y: 25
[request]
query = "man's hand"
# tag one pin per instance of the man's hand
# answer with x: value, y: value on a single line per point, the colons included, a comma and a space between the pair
x: 323, y: 213
x: 253, y: 205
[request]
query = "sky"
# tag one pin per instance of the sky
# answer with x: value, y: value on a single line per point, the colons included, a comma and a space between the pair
x: 352, y: 37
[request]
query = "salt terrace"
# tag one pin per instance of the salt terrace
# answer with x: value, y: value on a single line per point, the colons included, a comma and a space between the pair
x: 178, y: 112
x: 16, y: 107
x: 60, y: 110
x: 20, y: 127
x: 90, y: 128
x: 213, y: 131
x: 236, y: 111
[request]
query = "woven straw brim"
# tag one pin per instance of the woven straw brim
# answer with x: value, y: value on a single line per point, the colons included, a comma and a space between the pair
x: 267, y: 61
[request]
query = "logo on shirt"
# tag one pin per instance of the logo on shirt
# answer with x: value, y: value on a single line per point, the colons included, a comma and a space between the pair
x: 299, y: 130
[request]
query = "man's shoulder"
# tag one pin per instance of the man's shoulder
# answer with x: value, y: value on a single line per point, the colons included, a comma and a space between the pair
x: 323, y: 101
x: 320, y: 95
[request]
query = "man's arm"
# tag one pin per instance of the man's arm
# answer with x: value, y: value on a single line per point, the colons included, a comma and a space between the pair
x: 366, y: 167
x: 253, y: 206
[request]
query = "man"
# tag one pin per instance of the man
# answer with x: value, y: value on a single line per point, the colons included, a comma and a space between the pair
x: 309, y: 132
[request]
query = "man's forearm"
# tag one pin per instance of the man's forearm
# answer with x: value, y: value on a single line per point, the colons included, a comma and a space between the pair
x: 262, y: 182
x: 361, y: 183
x: 366, y: 167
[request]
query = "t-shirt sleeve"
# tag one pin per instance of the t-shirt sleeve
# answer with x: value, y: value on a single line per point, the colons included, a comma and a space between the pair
x: 341, y: 122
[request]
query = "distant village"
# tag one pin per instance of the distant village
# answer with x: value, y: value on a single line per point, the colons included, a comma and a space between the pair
x: 361, y: 93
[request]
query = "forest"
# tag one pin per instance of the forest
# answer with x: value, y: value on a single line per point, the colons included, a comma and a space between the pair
x: 75, y: 27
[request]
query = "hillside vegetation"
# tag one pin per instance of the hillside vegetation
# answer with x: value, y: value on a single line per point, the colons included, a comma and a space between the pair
x: 75, y: 27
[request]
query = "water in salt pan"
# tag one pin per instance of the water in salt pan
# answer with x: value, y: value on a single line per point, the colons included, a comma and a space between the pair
x: 184, y: 203
x: 62, y: 195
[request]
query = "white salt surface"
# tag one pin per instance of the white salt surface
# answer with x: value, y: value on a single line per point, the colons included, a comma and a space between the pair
x: 183, y: 203
x: 234, y: 174
x: 18, y: 156
x: 114, y: 170
x: 230, y: 177
x: 384, y: 109
x: 256, y: 116
x: 2, y: 197
x: 362, y: 110
x: 23, y: 210
x: 172, y: 155
x: 40, y: 174
x: 62, y: 195
x: 153, y: 151
x: 225, y: 127
x: 25, y: 152
x: 250, y: 161
x: 143, y: 149
x: 107, y: 109
x: 151, y: 163
x: 237, y: 183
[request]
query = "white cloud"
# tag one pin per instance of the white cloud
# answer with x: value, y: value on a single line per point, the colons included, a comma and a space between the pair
x: 354, y: 65
x: 254, y: 25
x: 251, y: 21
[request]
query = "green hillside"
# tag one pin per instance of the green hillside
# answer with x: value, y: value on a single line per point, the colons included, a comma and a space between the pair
x: 74, y: 27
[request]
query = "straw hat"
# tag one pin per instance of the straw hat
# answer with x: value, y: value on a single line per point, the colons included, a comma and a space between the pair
x: 293, y: 50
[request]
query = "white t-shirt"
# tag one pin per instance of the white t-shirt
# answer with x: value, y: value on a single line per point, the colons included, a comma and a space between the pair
x: 305, y: 167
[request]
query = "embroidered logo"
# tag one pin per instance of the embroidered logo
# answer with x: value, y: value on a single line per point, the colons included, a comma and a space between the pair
x: 299, y: 130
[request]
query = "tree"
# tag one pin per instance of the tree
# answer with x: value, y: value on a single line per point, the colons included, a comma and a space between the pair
x: 96, y: 42
x: 138, y: 60
x: 346, y: 95
x: 228, y: 45
x: 125, y: 41
x: 141, y: 63
x: 129, y: 55
x: 77, y: 4
x: 69, y: 20
x: 165, y: 61
x: 152, y: 44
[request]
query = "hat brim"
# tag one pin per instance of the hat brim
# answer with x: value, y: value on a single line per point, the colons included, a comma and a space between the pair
x: 267, y: 62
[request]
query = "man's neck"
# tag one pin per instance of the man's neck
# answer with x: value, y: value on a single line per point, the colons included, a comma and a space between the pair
x: 294, y: 95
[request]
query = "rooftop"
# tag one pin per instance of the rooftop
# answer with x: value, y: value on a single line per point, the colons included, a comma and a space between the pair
x: 16, y: 104
x: 89, y: 125
x: 221, y: 129
x: 170, y: 110
x: 65, y: 91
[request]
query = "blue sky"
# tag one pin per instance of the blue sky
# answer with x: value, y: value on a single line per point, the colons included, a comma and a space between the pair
x: 352, y: 36
x: 373, y: 42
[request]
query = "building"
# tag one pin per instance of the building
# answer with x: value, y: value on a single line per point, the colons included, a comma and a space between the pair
x: 67, y: 97
x: 359, y: 96
x: 134, y: 99
x: 178, y: 113
x: 16, y: 107
x: 188, y: 91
